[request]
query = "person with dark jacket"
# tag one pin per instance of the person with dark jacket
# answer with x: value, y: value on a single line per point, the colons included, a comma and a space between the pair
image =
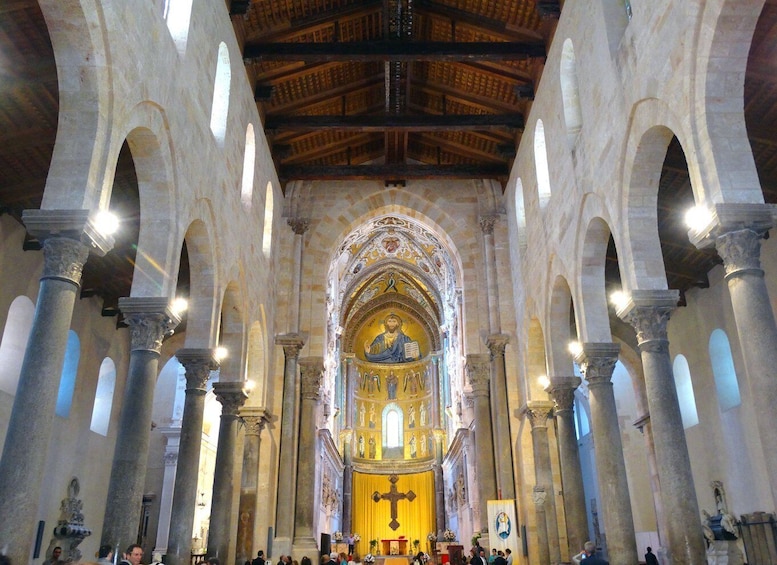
x: 259, y: 558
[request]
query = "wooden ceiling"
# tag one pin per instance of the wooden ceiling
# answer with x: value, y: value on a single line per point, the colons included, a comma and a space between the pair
x: 394, y: 89
x: 390, y: 90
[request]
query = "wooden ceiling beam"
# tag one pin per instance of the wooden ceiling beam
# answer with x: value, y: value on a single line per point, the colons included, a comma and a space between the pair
x: 476, y: 101
x: 316, y: 22
x: 395, y: 122
x: 383, y: 50
x: 322, y: 96
x: 508, y: 32
x: 462, y: 149
x: 325, y: 149
x: 388, y: 172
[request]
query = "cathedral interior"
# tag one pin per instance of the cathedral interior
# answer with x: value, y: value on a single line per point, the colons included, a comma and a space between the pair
x: 387, y: 277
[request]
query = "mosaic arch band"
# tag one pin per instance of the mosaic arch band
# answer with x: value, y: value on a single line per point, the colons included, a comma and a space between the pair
x: 393, y: 345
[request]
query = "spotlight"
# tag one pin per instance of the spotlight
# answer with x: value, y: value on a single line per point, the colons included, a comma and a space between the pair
x: 575, y: 348
x: 106, y: 222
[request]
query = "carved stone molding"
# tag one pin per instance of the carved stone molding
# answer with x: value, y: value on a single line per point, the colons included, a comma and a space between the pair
x: 597, y: 362
x: 198, y: 364
x: 478, y: 369
x: 562, y: 391
x: 231, y: 395
x: 496, y: 344
x: 254, y: 419
x: 538, y: 412
x: 539, y: 496
x: 292, y: 344
x: 741, y: 252
x: 171, y: 459
x: 648, y: 312
x: 63, y: 259
x: 299, y: 225
x: 487, y: 223
x: 150, y: 320
x: 76, y: 225
x: 311, y: 374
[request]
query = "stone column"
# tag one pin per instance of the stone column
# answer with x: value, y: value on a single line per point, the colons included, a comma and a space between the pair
x: 499, y: 407
x: 539, y: 497
x: 198, y: 363
x: 254, y: 420
x: 648, y: 312
x: 67, y: 237
x: 149, y: 321
x: 311, y: 374
x: 284, y: 513
x: 232, y: 396
x: 478, y: 369
x: 173, y: 439
x: 434, y: 377
x: 597, y: 362
x: 299, y: 226
x: 439, y: 482
x: 562, y: 391
x: 347, y: 480
x: 538, y: 412
x: 487, y: 227
x: 736, y: 231
x: 643, y: 425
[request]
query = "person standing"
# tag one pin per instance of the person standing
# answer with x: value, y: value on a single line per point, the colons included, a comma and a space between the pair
x: 509, y: 556
x: 133, y: 555
x: 650, y: 557
x: 259, y: 558
x: 55, y: 558
x: 589, y: 555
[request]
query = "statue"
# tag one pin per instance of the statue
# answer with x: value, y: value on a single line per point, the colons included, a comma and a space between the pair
x: 389, y: 346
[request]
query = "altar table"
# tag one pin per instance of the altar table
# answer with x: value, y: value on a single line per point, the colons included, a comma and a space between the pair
x: 394, y: 546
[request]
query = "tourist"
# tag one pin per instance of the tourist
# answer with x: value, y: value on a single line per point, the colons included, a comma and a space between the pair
x: 492, y: 557
x: 509, y: 556
x: 650, y: 557
x: 55, y: 557
x: 259, y: 558
x: 133, y: 555
x: 306, y: 561
x: 589, y: 555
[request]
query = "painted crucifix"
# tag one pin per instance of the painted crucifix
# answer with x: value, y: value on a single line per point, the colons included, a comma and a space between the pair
x: 393, y: 496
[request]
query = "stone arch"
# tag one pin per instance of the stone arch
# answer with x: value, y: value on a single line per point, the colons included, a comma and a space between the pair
x: 559, y: 327
x: 202, y: 315
x: 536, y: 361
x: 591, y: 315
x: 642, y: 264
x: 616, y: 20
x: 720, y: 129
x: 541, y: 169
x: 77, y: 32
x: 151, y: 147
x: 232, y: 333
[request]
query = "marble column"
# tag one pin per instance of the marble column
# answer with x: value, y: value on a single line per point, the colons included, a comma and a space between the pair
x: 287, y: 459
x: 347, y: 439
x: 562, y: 391
x: 648, y: 311
x: 311, y: 375
x: 499, y: 407
x: 439, y: 482
x: 643, y: 425
x: 487, y: 224
x: 539, y: 498
x: 149, y: 321
x: 254, y: 419
x: 478, y: 369
x: 597, y: 362
x: 198, y: 364
x: 538, y: 412
x: 299, y: 226
x: 66, y: 239
x: 736, y: 230
x: 232, y: 396
x: 434, y: 378
x: 173, y: 439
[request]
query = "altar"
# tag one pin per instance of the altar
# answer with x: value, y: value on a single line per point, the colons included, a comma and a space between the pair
x: 394, y: 546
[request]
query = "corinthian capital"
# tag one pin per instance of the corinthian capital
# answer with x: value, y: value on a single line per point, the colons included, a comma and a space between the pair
x: 231, y: 395
x: 740, y: 251
x: 562, y: 391
x: 496, y: 344
x: 597, y: 361
x: 254, y: 419
x: 198, y: 364
x: 648, y: 312
x: 292, y: 344
x: 478, y: 369
x: 487, y: 223
x: 538, y: 412
x: 311, y: 371
x: 64, y: 258
x: 150, y: 320
x: 299, y: 225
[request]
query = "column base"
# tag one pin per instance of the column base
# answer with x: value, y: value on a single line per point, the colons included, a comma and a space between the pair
x: 303, y: 546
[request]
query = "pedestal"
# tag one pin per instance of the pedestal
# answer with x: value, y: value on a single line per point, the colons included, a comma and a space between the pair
x: 724, y: 552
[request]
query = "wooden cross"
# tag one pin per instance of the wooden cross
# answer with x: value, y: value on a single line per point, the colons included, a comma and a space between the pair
x: 393, y: 496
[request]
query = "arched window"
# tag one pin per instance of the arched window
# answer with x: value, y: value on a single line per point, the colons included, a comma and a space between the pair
x: 726, y: 383
x: 67, y: 382
x: 685, y: 396
x: 268, y: 216
x: 249, y: 158
x: 393, y: 429
x: 570, y: 91
x: 221, y: 87
x: 15, y: 337
x: 541, y: 164
x: 393, y: 421
x: 177, y: 14
x: 103, y: 398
